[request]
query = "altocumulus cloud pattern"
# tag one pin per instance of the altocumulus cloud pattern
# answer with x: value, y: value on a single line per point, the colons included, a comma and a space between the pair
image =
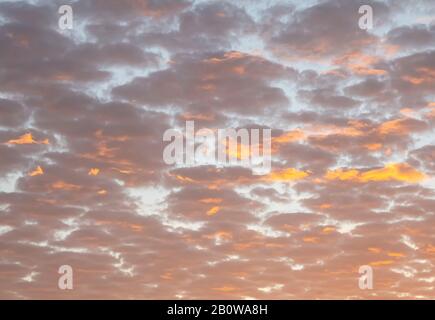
x: 84, y: 186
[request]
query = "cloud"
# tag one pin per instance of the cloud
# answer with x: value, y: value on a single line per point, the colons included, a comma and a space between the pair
x: 395, y: 171
x: 27, y: 138
x: 83, y: 181
x: 335, y: 31
x: 212, y: 81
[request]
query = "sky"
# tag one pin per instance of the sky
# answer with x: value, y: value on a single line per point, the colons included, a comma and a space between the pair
x: 83, y: 181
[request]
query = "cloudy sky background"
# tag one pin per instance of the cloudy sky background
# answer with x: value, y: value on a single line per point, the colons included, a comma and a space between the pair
x: 83, y: 181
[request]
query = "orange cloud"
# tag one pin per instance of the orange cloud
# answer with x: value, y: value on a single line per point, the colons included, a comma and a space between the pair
x: 395, y: 171
x: 27, y: 139
x: 61, y: 185
x: 124, y: 171
x: 311, y: 239
x: 325, y: 206
x: 407, y: 112
x: 211, y: 200
x: 225, y: 289
x: 425, y: 75
x: 289, y: 174
x: 198, y: 116
x: 289, y: 136
x: 396, y: 254
x: 355, y: 128
x: 360, y: 63
x: 328, y: 230
x: 430, y: 249
x: 391, y: 172
x: 373, y: 146
x: 37, y: 172
x: 381, y: 263
x: 397, y: 126
x: 220, y: 235
x: 184, y: 178
x: 94, y: 172
x: 232, y: 55
x: 239, y: 70
x: 375, y: 250
x: 166, y: 276
x: 136, y: 227
x: 213, y: 211
x: 241, y: 151
x: 343, y: 175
